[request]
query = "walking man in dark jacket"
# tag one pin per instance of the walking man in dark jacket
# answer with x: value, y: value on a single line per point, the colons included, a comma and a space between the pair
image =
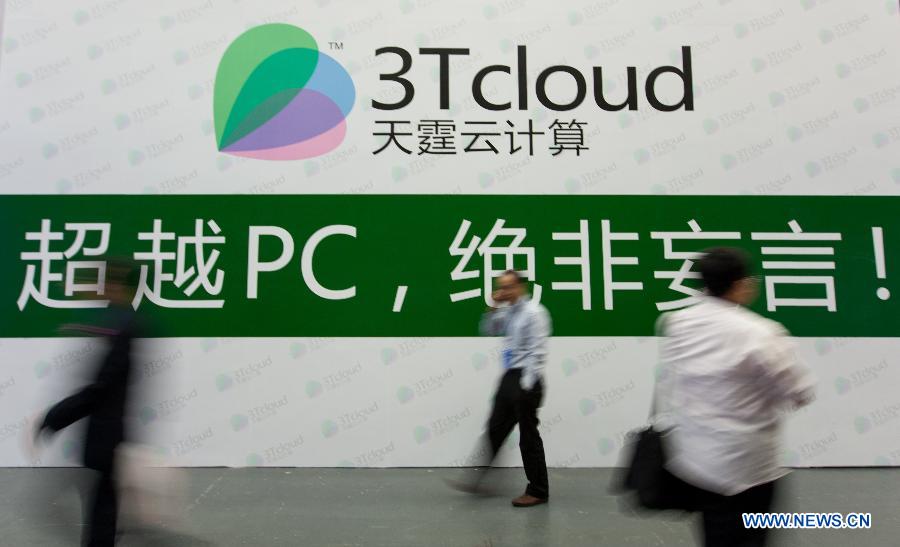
x: 103, y: 403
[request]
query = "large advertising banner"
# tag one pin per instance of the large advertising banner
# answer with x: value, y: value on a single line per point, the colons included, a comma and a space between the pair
x: 317, y: 197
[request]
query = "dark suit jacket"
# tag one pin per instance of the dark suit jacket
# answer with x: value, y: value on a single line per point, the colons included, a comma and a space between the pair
x: 103, y: 401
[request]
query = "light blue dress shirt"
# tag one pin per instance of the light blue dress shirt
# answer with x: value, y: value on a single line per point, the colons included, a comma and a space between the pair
x: 525, y: 327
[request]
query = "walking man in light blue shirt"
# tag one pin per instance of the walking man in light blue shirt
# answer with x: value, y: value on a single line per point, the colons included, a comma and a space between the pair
x: 525, y: 326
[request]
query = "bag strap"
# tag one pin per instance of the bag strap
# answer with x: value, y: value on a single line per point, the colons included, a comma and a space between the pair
x: 654, y: 403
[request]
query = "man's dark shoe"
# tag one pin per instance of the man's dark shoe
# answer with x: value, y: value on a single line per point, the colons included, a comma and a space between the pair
x: 526, y: 500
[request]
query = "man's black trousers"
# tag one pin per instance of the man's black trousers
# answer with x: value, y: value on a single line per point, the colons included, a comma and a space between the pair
x: 514, y: 405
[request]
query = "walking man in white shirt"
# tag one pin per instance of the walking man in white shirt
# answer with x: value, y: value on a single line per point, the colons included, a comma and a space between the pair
x: 728, y: 376
x: 525, y: 326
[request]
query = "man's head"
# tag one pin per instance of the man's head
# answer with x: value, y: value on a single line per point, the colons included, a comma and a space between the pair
x: 121, y: 281
x: 726, y: 274
x: 509, y: 287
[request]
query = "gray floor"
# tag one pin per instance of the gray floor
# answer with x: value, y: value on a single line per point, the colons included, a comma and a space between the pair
x: 413, y: 507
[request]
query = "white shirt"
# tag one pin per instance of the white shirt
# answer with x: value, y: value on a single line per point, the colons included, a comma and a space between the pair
x: 525, y: 327
x: 727, y: 377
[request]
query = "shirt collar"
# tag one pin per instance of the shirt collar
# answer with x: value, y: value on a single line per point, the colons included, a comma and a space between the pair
x: 719, y: 302
x: 520, y: 303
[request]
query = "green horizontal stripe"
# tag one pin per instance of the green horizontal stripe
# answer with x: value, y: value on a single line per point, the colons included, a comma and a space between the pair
x: 405, y: 240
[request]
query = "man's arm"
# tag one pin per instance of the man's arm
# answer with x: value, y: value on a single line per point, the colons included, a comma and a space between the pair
x: 78, y: 406
x: 538, y: 333
x: 790, y: 379
x: 493, y: 322
x: 70, y: 410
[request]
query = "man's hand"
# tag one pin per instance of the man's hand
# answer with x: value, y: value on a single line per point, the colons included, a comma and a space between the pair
x: 497, y: 295
x: 32, y: 439
x: 803, y: 399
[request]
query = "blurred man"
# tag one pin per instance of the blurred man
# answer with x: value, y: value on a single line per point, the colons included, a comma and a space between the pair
x: 103, y: 403
x: 727, y: 376
x: 525, y: 326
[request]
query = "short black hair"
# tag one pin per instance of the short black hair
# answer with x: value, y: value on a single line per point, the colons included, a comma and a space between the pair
x: 516, y: 275
x: 722, y: 267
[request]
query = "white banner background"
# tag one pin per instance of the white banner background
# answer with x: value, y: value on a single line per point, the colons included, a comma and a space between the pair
x: 420, y: 401
x: 115, y: 96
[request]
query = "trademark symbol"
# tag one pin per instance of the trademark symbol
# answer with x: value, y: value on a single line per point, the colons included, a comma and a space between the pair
x: 335, y: 45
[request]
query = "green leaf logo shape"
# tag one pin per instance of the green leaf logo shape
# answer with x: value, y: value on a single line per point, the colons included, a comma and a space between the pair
x: 277, y: 97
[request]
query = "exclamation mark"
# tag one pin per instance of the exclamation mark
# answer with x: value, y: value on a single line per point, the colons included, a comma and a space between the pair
x: 880, y: 271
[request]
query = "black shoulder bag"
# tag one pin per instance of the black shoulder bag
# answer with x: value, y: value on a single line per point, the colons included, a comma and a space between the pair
x: 646, y: 478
